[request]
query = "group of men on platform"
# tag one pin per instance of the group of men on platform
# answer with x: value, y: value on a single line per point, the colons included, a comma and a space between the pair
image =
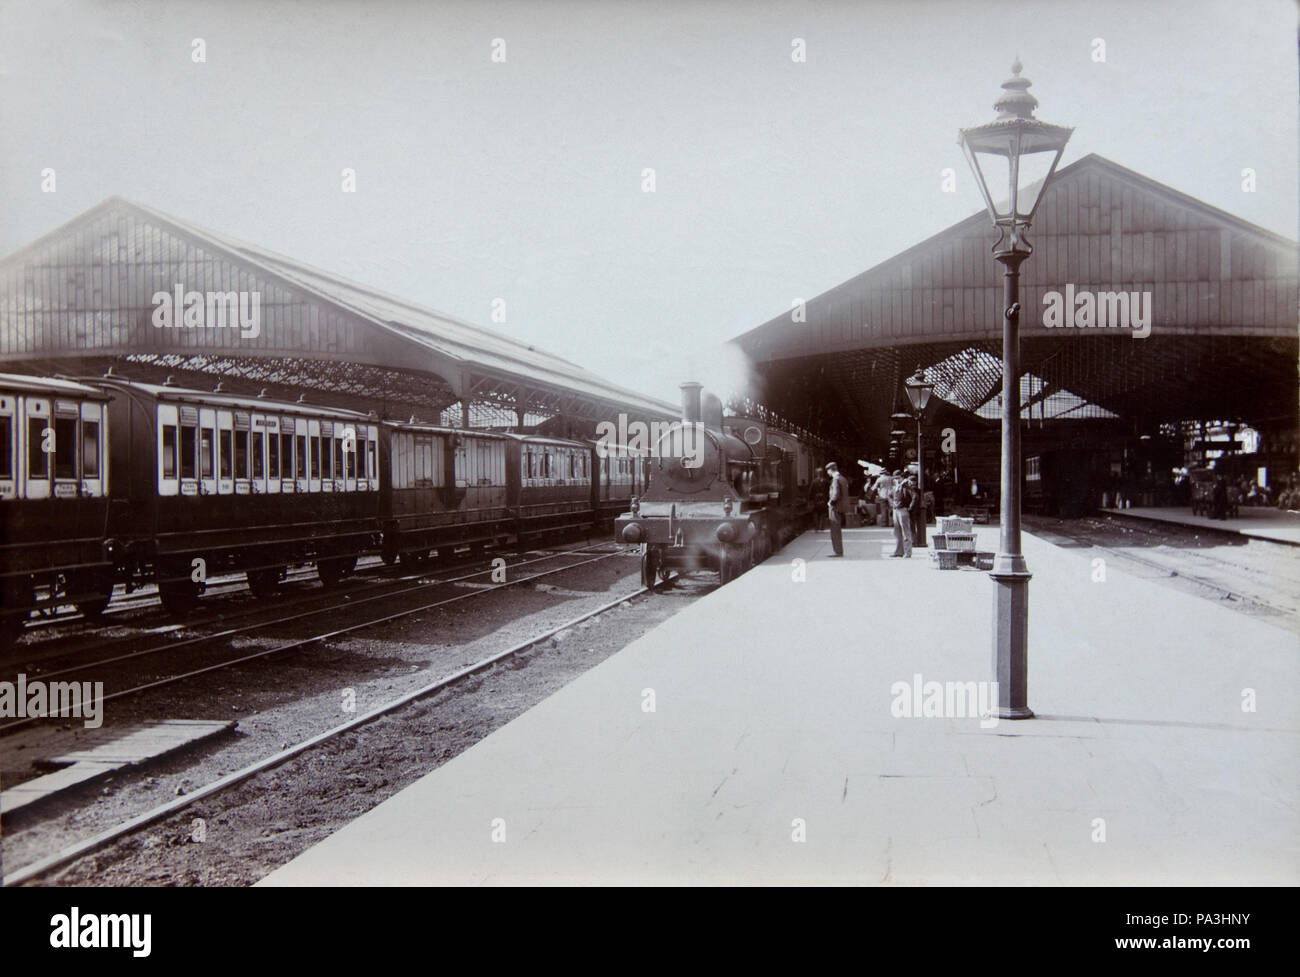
x: 898, y: 492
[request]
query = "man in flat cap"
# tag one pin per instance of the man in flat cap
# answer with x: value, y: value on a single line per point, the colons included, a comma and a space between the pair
x: 901, y: 497
x: 837, y: 506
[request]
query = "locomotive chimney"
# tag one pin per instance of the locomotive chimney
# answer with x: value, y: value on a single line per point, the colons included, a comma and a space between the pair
x: 691, y: 401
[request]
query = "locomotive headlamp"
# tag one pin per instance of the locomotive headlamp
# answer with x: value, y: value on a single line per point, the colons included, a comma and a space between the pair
x: 633, y: 533
x: 636, y: 506
x: 725, y: 533
x: 727, y: 505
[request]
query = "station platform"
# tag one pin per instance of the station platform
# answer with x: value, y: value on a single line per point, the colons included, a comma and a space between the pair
x: 776, y: 753
x: 1254, y: 522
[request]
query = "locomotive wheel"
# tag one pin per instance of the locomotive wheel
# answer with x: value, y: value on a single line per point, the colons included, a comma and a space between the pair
x: 265, y: 583
x: 649, y: 567
x: 728, y: 565
x: 333, y: 569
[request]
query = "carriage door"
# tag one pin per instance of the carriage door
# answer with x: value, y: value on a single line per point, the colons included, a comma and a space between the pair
x: 326, y: 439
x: 39, y: 446
x: 94, y: 454
x: 207, y: 451
x: 258, y: 448
x: 8, y: 447
x: 225, y: 452
x: 243, y: 454
x: 348, y: 445
x: 313, y: 447
x: 299, y: 453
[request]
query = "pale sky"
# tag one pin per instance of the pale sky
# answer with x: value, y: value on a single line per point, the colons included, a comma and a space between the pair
x: 523, y: 180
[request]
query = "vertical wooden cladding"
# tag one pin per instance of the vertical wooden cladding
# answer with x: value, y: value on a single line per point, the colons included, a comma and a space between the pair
x: 93, y: 288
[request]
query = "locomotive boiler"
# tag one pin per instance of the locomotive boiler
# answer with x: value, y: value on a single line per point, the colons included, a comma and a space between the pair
x: 714, y: 500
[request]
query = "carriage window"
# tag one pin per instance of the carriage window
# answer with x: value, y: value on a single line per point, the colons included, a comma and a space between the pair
x: 350, y: 458
x: 189, y: 437
x: 363, y: 463
x: 301, y: 466
x: 241, y: 454
x: 6, y: 447
x: 224, y: 458
x: 338, y: 458
x: 90, y: 449
x: 206, y: 448
x: 38, y: 462
x: 546, y: 464
x: 272, y: 455
x: 285, y: 468
x: 258, y: 467
x: 529, y: 466
x: 65, y: 447
x: 315, y: 457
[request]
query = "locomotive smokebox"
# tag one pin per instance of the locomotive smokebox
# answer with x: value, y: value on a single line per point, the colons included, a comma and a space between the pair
x: 691, y: 401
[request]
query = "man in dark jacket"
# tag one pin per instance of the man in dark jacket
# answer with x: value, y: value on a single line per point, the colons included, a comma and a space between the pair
x: 837, y: 506
x: 901, y: 498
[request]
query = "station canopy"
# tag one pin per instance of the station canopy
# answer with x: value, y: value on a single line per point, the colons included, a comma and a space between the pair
x: 82, y: 299
x: 1217, y: 293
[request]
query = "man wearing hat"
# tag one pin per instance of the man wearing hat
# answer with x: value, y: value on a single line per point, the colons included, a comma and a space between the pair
x: 837, y: 506
x: 901, y: 497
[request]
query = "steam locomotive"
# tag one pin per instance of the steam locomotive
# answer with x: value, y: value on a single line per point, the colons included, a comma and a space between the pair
x: 721, y: 494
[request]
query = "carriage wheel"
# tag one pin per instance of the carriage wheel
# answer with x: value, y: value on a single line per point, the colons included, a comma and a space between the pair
x: 265, y: 583
x: 649, y: 567
x: 13, y: 594
x: 332, y: 570
x: 91, y: 590
x: 178, y: 596
x: 415, y: 559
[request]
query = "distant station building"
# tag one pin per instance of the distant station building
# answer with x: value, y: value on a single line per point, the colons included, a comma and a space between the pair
x: 1157, y: 331
x: 126, y: 287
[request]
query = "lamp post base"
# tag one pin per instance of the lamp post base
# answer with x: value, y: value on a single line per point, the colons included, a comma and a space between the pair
x: 1011, y: 637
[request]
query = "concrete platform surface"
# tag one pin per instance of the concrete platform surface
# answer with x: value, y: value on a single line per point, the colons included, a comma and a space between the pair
x: 1256, y: 522
x: 779, y: 749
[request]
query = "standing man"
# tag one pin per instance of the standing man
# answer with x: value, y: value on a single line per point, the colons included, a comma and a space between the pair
x: 837, y: 506
x: 901, y: 497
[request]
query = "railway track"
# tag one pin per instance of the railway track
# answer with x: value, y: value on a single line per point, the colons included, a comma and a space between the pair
x: 42, y: 867
x: 249, y: 630
x: 216, y: 612
x: 1263, y: 577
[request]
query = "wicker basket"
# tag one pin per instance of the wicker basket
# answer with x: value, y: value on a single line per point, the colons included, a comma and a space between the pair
x: 963, y: 542
x: 939, y: 540
x: 944, y: 559
x: 955, y: 524
x: 984, y: 561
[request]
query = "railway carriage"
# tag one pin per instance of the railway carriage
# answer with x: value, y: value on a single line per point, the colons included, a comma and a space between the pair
x: 446, y: 488
x: 621, y: 474
x: 208, y: 482
x: 54, y: 471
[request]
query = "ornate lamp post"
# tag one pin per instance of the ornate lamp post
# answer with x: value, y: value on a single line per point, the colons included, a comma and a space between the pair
x: 918, y: 392
x: 1013, y: 159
